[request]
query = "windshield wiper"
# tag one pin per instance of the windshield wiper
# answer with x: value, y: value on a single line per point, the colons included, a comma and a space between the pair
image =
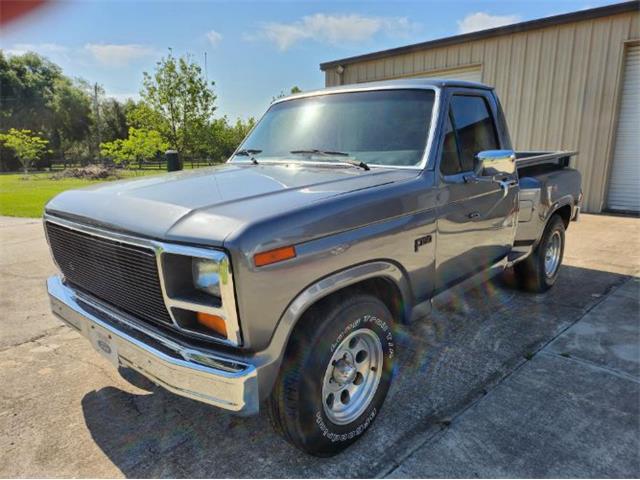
x: 319, y: 152
x: 355, y: 163
x: 249, y: 152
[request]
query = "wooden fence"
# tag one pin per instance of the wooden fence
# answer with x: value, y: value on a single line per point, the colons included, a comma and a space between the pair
x: 58, y: 165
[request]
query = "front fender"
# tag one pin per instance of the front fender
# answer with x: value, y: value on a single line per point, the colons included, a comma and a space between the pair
x: 272, y: 357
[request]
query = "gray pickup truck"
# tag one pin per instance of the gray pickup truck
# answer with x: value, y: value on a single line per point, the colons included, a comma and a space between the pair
x: 278, y: 279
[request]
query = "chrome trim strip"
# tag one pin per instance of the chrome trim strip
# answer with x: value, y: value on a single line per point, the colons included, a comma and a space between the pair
x: 192, y: 373
x: 435, y: 115
x: 187, y: 305
x: 228, y: 311
x: 163, y: 286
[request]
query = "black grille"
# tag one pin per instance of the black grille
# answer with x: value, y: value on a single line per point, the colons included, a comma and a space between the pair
x: 123, y: 275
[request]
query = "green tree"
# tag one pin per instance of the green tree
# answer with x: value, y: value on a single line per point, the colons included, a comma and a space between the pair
x: 224, y: 137
x: 36, y: 96
x: 177, y: 102
x: 141, y: 144
x: 72, y: 115
x: 292, y: 91
x: 28, y: 84
x: 27, y: 146
x: 108, y: 118
x: 141, y: 115
x: 113, y: 116
x: 239, y: 131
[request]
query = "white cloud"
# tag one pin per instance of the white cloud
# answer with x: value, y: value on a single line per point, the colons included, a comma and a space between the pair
x: 332, y: 29
x: 118, y: 55
x: 482, y: 21
x: 214, y: 37
x: 43, y: 48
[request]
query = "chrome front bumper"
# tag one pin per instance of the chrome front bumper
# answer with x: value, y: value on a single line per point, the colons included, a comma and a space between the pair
x: 192, y: 373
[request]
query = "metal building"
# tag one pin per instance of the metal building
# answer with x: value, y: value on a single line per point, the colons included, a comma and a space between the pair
x: 570, y: 82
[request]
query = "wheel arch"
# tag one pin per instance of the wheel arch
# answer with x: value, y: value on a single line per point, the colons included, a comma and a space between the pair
x: 564, y: 211
x: 385, y: 277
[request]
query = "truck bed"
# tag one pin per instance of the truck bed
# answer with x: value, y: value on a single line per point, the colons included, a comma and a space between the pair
x: 546, y: 182
x: 531, y: 158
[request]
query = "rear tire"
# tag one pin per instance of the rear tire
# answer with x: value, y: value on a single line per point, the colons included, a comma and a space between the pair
x: 539, y: 271
x: 335, y: 375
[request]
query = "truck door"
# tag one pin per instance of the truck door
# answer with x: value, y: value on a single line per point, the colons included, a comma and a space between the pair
x: 476, y: 213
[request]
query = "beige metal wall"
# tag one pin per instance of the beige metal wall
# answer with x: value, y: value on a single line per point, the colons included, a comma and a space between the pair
x: 559, y: 86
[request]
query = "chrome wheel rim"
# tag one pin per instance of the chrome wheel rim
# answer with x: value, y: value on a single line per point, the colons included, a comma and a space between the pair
x: 552, y: 254
x: 352, y: 376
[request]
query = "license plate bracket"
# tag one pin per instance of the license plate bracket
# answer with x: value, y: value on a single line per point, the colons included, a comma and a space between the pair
x: 103, y: 342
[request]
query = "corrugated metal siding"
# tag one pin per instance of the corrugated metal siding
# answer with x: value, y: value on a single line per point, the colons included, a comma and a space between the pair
x: 558, y: 85
x: 624, y: 186
x: 470, y: 74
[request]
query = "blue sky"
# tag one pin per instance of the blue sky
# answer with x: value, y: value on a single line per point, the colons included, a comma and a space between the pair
x: 255, y: 49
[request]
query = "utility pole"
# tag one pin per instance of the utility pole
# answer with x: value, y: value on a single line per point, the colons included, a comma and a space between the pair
x: 206, y: 71
x: 96, y: 106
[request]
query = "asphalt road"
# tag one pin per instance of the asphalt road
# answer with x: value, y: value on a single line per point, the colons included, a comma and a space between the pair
x: 495, y: 383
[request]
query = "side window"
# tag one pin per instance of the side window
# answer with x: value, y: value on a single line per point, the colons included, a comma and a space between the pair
x: 450, y: 161
x: 474, y: 126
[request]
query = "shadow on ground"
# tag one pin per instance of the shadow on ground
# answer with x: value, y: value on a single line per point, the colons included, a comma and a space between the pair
x: 465, y: 347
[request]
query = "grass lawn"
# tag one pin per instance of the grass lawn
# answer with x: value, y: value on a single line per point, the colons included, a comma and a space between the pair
x: 26, y: 197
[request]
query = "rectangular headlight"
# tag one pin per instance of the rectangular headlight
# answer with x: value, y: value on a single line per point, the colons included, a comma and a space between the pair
x: 198, y: 285
x: 206, y: 276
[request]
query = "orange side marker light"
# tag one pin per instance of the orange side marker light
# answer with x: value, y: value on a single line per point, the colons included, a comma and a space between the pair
x: 213, y: 322
x: 274, y: 256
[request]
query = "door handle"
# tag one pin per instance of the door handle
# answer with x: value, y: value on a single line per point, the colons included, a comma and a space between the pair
x: 474, y: 215
x: 505, y: 182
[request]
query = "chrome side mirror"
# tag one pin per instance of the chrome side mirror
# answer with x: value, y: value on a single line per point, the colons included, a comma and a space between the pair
x: 494, y: 162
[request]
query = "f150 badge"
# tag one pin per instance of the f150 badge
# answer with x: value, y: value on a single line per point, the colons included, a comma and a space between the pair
x: 420, y: 242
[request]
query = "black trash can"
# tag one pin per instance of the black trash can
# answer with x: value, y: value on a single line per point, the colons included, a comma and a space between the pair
x: 173, y: 161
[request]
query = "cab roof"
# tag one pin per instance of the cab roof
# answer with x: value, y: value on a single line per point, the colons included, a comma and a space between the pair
x: 402, y: 83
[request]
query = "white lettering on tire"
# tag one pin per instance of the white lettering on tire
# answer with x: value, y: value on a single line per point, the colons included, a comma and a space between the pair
x: 335, y: 437
x: 364, y: 320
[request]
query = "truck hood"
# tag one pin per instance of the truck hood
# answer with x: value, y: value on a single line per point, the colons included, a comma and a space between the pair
x: 206, y: 205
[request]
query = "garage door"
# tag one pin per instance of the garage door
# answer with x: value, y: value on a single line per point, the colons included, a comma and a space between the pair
x: 471, y: 74
x: 624, y: 183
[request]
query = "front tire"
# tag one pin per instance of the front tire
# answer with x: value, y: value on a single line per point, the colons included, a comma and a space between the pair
x: 335, y: 375
x: 539, y: 271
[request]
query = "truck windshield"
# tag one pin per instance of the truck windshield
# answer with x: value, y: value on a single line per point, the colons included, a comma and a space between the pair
x: 383, y: 127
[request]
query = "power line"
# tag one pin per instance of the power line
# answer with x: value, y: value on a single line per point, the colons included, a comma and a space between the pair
x: 97, y: 108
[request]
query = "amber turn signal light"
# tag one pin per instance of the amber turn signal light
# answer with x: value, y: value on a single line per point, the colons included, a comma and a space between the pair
x: 274, y: 256
x: 212, y: 322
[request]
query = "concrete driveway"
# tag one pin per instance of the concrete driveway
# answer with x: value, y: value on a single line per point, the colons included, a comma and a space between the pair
x: 495, y: 383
